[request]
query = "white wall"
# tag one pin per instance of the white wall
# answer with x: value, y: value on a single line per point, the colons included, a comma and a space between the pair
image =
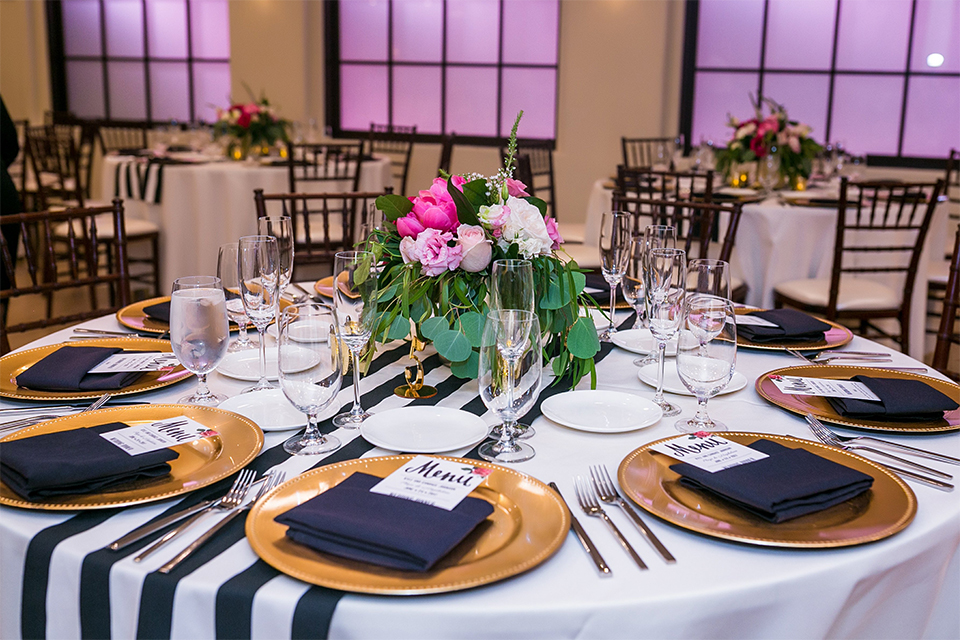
x: 24, y: 70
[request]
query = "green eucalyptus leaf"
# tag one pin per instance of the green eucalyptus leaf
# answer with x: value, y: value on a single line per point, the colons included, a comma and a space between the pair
x: 387, y: 294
x: 560, y: 363
x: 552, y: 296
x: 399, y: 328
x: 469, y: 368
x: 579, y: 281
x: 452, y: 345
x: 471, y: 325
x: 394, y: 206
x: 582, y: 341
x: 432, y: 327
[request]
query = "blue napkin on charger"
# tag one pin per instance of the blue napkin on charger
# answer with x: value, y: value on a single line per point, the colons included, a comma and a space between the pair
x: 791, y: 325
x: 350, y: 521
x: 900, y: 400
x: 66, y: 370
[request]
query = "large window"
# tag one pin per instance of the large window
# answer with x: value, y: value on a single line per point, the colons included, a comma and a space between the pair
x: 463, y: 66
x: 140, y: 59
x: 880, y: 76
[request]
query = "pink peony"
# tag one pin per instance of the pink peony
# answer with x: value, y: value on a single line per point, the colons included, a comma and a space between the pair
x: 553, y: 232
x: 410, y: 226
x: 247, y: 111
x: 516, y: 188
x: 436, y: 255
x: 477, y: 249
x: 433, y: 209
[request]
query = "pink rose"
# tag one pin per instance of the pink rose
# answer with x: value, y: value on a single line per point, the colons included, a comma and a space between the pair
x: 516, y: 188
x: 477, y: 249
x: 436, y: 255
x: 409, y: 226
x: 553, y: 232
x: 408, y: 250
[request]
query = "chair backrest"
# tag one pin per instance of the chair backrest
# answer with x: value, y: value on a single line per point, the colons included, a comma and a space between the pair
x: 696, y: 222
x: 395, y: 142
x: 74, y: 263
x: 55, y: 161
x: 18, y: 169
x: 122, y: 135
x: 327, y: 167
x: 947, y: 334
x: 446, y: 152
x: 540, y: 181
x: 647, y: 152
x: 665, y: 185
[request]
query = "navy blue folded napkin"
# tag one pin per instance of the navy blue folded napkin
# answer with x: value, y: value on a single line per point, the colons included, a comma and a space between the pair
x: 159, y: 311
x: 791, y: 325
x: 788, y: 484
x: 66, y: 370
x: 350, y: 521
x: 900, y: 400
x: 75, y: 462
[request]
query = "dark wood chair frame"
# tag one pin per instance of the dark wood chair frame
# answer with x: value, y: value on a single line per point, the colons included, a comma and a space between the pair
x: 642, y: 152
x: 947, y: 334
x: 318, y: 163
x: 540, y: 179
x: 396, y: 142
x: 665, y: 185
x: 446, y: 152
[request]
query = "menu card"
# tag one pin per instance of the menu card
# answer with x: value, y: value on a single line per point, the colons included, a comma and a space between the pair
x: 800, y: 386
x: 708, y: 451
x: 163, y: 434
x: 432, y: 481
x: 136, y: 361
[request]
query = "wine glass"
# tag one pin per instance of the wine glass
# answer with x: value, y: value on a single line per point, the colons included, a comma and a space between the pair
x: 614, y: 248
x: 654, y: 236
x: 706, y: 355
x: 665, y: 292
x: 372, y: 221
x: 769, y: 171
x: 259, y: 266
x: 310, y: 372
x: 281, y: 228
x: 199, y: 331
x: 355, y: 300
x: 229, y: 274
x: 511, y: 363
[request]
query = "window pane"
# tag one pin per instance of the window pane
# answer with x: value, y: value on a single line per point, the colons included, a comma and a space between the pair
x: 804, y: 95
x: 472, y: 101
x: 167, y: 28
x: 730, y: 33
x: 210, y: 27
x: 873, y: 35
x: 363, y: 95
x: 363, y: 30
x: 211, y: 88
x: 530, y: 31
x: 168, y: 91
x: 128, y: 92
x: 800, y: 34
x: 85, y: 89
x: 412, y: 21
x: 866, y: 113
x: 81, y: 27
x: 936, y: 31
x: 124, y: 27
x: 416, y: 97
x: 469, y: 25
x: 718, y: 94
x: 927, y: 133
x: 534, y: 91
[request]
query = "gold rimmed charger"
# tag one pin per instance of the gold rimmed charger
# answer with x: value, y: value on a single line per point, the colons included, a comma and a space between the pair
x: 801, y: 405
x: 200, y: 463
x: 13, y: 364
x: 324, y: 286
x: 888, y: 507
x: 528, y: 524
x: 834, y: 338
x: 134, y: 317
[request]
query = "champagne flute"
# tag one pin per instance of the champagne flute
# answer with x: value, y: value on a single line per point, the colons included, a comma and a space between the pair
x: 511, y: 287
x: 614, y: 248
x: 259, y: 267
x: 511, y: 364
x: 632, y: 283
x: 711, y: 278
x: 665, y: 292
x: 310, y: 372
x: 654, y: 236
x: 229, y: 274
x: 199, y: 331
x: 706, y: 355
x: 355, y: 301
x: 281, y: 228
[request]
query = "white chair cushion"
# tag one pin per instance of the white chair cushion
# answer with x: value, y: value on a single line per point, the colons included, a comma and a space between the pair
x: 587, y: 256
x: 572, y: 232
x: 855, y: 293
x: 133, y: 226
x: 939, y: 272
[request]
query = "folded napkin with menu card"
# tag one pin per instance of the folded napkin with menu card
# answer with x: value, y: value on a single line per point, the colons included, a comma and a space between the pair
x: 350, y: 521
x: 900, y: 400
x: 788, y: 484
x: 159, y: 311
x: 791, y: 325
x: 75, y: 462
x: 66, y: 370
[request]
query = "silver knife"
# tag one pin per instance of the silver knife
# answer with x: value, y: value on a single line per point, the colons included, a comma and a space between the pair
x: 142, y: 532
x: 585, y: 540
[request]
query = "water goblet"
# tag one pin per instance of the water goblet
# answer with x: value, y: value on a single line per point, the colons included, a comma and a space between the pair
x: 229, y: 274
x: 769, y: 171
x: 665, y: 292
x: 259, y: 268
x: 355, y: 301
x: 199, y: 331
x: 281, y: 228
x: 614, y: 248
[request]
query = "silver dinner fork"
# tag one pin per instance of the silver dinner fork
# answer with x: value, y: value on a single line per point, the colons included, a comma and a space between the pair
x: 590, y: 506
x: 607, y: 492
x: 827, y: 359
x: 37, y: 419
x: 923, y: 453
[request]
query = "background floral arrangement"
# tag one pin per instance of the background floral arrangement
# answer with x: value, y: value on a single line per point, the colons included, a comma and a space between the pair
x: 250, y: 126
x: 437, y: 250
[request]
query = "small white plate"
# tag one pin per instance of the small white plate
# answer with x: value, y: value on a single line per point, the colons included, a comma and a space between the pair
x: 245, y: 365
x: 270, y: 409
x: 423, y: 429
x: 601, y: 411
x: 322, y: 336
x: 737, y: 191
x: 640, y: 341
x: 672, y: 384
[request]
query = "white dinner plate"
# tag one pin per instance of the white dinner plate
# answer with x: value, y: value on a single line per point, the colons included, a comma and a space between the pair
x: 322, y: 335
x: 640, y: 341
x: 270, y: 409
x: 601, y: 411
x: 245, y: 365
x: 672, y: 384
x: 423, y: 429
x: 737, y: 191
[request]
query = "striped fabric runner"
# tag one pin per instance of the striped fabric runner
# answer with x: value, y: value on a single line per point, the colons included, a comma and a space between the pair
x: 139, y: 180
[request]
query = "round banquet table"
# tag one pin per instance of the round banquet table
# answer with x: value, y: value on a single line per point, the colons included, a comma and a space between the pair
x: 58, y: 582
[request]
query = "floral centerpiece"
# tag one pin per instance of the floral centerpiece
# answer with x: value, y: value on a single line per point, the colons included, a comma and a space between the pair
x: 437, y: 250
x: 254, y: 126
x: 753, y: 139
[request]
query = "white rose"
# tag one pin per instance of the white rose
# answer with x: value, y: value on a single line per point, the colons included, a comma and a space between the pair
x: 525, y: 226
x: 408, y: 250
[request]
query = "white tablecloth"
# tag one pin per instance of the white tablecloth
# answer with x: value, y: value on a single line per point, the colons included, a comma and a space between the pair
x: 906, y: 586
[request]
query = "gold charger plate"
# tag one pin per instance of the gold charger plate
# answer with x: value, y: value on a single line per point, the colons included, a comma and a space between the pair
x: 134, y: 317
x: 13, y: 364
x: 324, y: 286
x: 888, y: 507
x: 801, y: 405
x: 835, y: 337
x: 528, y: 524
x: 201, y: 462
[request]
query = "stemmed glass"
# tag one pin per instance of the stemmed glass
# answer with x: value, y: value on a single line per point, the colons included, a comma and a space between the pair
x: 511, y: 287
x: 229, y: 273
x: 259, y: 266
x: 355, y: 300
x: 654, y: 236
x: 281, y: 228
x: 769, y: 171
x: 632, y: 282
x: 199, y: 331
x: 511, y: 363
x: 614, y: 248
x: 706, y: 355
x: 310, y: 372
x: 665, y: 277
x: 708, y: 276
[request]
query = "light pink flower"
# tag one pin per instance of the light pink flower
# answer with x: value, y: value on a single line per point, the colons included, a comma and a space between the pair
x: 553, y: 232
x: 408, y: 250
x: 436, y: 255
x: 410, y: 226
x: 494, y: 216
x: 477, y: 249
x: 516, y: 188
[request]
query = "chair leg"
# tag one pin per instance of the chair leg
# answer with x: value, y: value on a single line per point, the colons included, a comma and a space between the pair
x: 155, y: 246
x: 905, y: 330
x: 777, y: 301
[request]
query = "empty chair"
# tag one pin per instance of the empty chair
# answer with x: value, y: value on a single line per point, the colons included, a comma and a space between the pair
x: 939, y: 269
x: 396, y: 143
x: 122, y: 135
x: 324, y: 167
x: 947, y: 335
x: 648, y: 152
x: 666, y: 184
